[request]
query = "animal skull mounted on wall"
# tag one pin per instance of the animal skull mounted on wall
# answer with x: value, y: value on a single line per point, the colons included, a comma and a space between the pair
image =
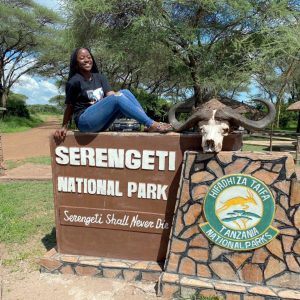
x: 215, y: 120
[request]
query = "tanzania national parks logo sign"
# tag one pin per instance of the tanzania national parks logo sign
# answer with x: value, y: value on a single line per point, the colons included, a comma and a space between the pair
x: 239, y: 210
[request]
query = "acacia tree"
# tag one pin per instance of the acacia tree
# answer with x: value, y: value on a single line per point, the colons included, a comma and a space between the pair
x: 279, y: 82
x: 196, y: 45
x: 27, y: 30
x: 58, y: 101
x: 128, y: 55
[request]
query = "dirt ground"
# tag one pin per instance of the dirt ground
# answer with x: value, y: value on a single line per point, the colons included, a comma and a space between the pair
x: 21, y: 280
x: 31, y: 143
x: 36, y: 286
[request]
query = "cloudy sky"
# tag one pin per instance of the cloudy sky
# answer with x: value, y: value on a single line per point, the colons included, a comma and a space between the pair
x: 38, y: 89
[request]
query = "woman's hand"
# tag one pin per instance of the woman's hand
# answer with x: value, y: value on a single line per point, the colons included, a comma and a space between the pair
x: 110, y: 93
x: 60, y: 134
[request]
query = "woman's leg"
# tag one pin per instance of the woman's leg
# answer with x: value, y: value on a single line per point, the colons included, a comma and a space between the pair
x: 155, y: 126
x: 130, y: 107
x: 131, y: 97
x: 99, y: 116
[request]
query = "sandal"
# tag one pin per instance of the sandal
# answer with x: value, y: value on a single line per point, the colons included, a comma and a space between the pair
x: 159, y: 127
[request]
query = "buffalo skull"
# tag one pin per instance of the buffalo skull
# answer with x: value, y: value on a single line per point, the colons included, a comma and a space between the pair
x: 215, y: 120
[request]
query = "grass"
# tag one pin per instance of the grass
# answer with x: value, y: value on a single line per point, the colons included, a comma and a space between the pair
x: 26, y: 209
x: 247, y: 147
x: 43, y: 160
x: 26, y: 223
x: 45, y: 116
x: 17, y: 124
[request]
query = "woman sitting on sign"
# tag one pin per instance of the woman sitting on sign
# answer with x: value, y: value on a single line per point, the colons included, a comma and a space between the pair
x: 93, y: 104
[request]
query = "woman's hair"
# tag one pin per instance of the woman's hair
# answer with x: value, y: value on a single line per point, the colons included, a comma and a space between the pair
x: 73, y: 63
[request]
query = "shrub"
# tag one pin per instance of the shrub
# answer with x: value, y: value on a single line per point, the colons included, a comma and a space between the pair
x: 156, y: 108
x: 16, y: 106
x: 287, y: 118
x: 44, y: 109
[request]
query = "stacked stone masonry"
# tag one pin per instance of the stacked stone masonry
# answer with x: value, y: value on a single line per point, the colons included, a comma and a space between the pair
x: 129, y: 270
x: 190, y: 253
x: 176, y: 286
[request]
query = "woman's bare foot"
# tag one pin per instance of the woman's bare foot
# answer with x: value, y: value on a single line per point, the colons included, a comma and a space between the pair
x: 159, y: 127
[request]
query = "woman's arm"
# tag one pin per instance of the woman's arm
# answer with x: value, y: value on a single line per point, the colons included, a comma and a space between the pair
x: 109, y: 93
x: 61, y: 133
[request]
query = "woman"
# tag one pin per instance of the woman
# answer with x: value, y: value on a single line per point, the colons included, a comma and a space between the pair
x: 92, y: 102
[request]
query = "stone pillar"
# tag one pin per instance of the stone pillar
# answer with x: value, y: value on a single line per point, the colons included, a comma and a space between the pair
x: 194, y: 263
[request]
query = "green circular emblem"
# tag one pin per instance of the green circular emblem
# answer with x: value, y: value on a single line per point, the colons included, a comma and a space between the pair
x: 239, y: 210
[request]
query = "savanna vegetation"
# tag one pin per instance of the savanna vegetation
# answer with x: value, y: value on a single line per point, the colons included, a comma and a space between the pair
x: 179, y: 49
x: 19, y: 116
x: 26, y: 217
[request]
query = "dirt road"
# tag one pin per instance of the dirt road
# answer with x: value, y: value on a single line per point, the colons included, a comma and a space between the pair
x: 31, y: 143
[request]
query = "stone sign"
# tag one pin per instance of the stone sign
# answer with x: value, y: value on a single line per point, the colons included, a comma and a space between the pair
x: 115, y: 193
x: 199, y: 261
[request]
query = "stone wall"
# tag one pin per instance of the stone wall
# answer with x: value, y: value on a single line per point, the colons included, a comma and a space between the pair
x: 191, y: 253
x: 100, y: 267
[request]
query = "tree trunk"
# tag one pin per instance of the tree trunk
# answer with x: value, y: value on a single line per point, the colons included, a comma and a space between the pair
x: 197, y: 90
x: 197, y: 95
x: 4, y: 99
x: 196, y: 84
x: 286, y: 77
x: 278, y: 111
x: 298, y: 125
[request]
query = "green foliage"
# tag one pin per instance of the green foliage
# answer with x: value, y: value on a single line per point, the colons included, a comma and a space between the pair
x: 16, y: 106
x: 155, y: 107
x: 255, y: 148
x: 26, y: 209
x: 287, y: 118
x: 44, y: 109
x: 58, y: 101
x: 28, y: 32
x: 17, y: 124
x: 178, y: 46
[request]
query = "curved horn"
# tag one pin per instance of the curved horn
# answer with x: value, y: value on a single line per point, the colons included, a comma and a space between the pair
x: 188, y: 104
x: 250, y: 124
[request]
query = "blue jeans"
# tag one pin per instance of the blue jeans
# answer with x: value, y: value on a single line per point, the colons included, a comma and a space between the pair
x: 99, y: 116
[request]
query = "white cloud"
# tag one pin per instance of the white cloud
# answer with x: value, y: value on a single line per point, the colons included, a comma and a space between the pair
x: 53, y: 4
x: 38, y: 90
x: 26, y: 82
